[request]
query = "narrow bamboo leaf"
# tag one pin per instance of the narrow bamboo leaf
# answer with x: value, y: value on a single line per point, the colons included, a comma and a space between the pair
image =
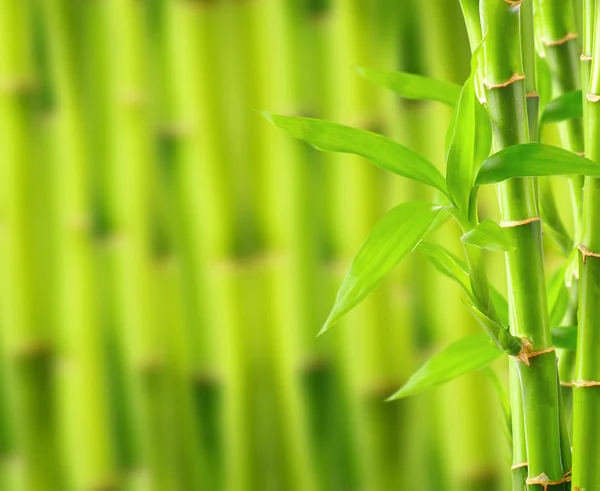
x: 490, y: 236
x: 501, y: 305
x: 483, y: 137
x: 380, y: 150
x: 502, y: 398
x: 500, y: 335
x: 558, y: 296
x: 534, y: 159
x: 460, y: 166
x: 396, y: 234
x: 470, y: 353
x: 565, y: 337
x: 567, y: 106
x: 543, y: 82
x: 445, y: 262
x: 415, y: 87
x: 553, y: 223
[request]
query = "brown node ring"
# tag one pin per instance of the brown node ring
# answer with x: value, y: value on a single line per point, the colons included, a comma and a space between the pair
x: 565, y: 39
x: 585, y: 253
x: 544, y: 481
x: 514, y: 3
x: 518, y: 223
x: 592, y: 97
x: 566, y: 384
x: 514, y: 78
x: 527, y: 352
x: 532, y: 95
x: 519, y: 466
x: 583, y: 57
x: 581, y: 384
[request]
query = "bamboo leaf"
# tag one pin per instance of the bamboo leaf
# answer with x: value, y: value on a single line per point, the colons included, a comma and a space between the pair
x: 490, y: 236
x: 565, y: 337
x: 567, y: 106
x: 469, y: 353
x: 543, y: 82
x: 382, y: 151
x: 445, y: 262
x: 396, y: 234
x: 500, y: 335
x: 558, y: 296
x: 534, y: 159
x: 414, y: 87
x: 460, y: 166
x: 553, y: 223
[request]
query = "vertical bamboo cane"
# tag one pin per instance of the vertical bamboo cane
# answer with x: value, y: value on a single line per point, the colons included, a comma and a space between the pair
x: 586, y: 393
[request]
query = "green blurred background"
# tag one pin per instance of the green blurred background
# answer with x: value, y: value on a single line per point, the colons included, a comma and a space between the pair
x: 167, y: 256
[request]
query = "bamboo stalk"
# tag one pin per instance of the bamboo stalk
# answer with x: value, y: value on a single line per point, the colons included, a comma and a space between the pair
x: 586, y: 394
x: 506, y: 96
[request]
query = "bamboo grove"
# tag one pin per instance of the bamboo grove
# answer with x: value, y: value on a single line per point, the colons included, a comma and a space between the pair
x: 530, y: 66
x: 167, y: 256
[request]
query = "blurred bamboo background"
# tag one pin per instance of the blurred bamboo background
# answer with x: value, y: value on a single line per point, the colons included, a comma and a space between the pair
x: 167, y: 257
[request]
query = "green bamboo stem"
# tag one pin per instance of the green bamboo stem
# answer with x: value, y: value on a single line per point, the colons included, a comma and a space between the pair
x: 472, y: 17
x: 83, y: 401
x: 27, y: 348
x: 132, y: 174
x: 506, y: 96
x: 586, y: 397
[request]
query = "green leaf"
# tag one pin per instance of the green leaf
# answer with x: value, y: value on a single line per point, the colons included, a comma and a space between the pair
x: 445, y: 262
x: 396, y: 234
x: 501, y: 305
x: 534, y: 159
x: 470, y: 353
x: 490, y: 236
x: 553, y: 223
x: 460, y: 167
x: 380, y: 150
x: 415, y: 87
x: 543, y: 82
x: 558, y: 296
x: 500, y: 335
x: 567, y: 106
x: 565, y: 337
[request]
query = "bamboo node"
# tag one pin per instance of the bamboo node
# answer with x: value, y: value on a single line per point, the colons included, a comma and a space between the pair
x: 585, y: 253
x: 519, y: 466
x: 527, y: 352
x: 566, y: 384
x: 532, y: 95
x: 582, y: 384
x: 513, y: 3
x: 517, y: 223
x: 592, y: 97
x: 544, y: 481
x: 583, y: 57
x: 514, y: 78
x: 581, y: 154
x: 565, y: 39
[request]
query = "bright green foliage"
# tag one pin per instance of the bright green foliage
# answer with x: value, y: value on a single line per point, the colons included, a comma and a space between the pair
x: 446, y: 263
x: 460, y: 170
x: 414, y: 87
x: 553, y: 223
x: 499, y: 334
x: 489, y: 235
x: 380, y: 150
x: 558, y: 296
x: 396, y: 234
x: 564, y: 107
x: 470, y: 353
x: 531, y: 160
x: 565, y: 337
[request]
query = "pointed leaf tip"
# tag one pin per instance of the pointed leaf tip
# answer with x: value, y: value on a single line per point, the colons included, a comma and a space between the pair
x: 465, y: 355
x: 392, y: 238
